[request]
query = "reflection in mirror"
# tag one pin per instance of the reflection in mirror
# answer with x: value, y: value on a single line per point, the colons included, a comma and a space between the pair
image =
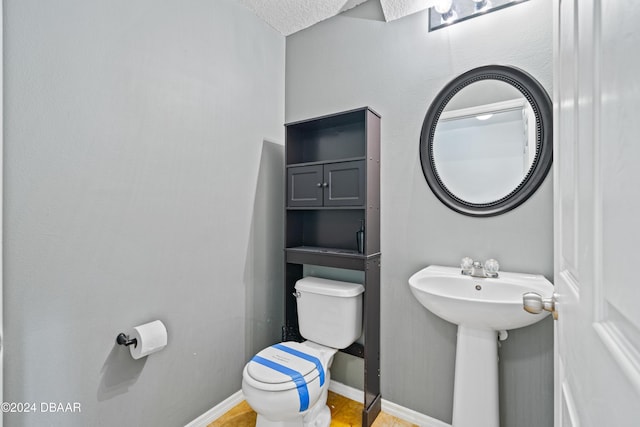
x: 485, y: 147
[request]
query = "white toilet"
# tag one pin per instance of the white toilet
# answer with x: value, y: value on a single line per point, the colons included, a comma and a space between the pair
x: 287, y: 383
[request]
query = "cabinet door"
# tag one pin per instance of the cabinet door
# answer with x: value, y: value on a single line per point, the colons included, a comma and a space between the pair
x: 344, y: 183
x: 304, y: 186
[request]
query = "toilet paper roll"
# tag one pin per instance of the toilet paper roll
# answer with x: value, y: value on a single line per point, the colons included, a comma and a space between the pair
x: 151, y: 337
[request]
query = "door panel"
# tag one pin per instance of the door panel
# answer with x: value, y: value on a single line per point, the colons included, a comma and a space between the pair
x: 345, y: 183
x: 304, y: 186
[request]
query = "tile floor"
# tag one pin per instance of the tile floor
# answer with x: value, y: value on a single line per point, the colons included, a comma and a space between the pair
x: 344, y: 413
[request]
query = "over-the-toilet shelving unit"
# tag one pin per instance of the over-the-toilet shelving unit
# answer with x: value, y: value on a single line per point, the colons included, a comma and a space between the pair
x: 333, y: 184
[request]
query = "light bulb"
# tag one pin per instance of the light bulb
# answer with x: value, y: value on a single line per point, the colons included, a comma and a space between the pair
x: 443, y: 6
x: 481, y: 5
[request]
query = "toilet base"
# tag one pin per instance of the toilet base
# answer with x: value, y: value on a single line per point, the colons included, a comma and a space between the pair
x: 317, y: 416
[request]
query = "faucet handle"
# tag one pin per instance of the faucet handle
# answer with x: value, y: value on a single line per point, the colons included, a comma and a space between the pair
x: 491, y: 267
x: 466, y: 265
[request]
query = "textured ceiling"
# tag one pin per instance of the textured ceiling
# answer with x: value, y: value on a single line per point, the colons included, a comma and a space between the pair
x: 289, y: 16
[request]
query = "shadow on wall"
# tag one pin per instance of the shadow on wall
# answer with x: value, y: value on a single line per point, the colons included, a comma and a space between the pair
x: 264, y: 268
x: 119, y: 372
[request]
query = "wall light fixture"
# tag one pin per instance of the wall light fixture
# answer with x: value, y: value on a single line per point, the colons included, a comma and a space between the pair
x: 447, y: 12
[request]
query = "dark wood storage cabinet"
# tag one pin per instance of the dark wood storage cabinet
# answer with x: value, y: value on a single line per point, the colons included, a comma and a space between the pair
x: 329, y: 184
x: 333, y: 186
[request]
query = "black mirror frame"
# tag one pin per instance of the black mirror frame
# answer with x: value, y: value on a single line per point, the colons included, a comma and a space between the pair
x: 540, y: 102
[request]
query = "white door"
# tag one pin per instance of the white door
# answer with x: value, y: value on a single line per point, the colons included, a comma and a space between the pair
x: 597, y: 212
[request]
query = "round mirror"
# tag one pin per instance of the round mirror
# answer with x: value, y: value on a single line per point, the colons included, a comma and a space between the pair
x: 486, y: 141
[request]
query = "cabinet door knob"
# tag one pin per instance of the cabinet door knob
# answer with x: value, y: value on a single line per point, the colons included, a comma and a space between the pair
x: 319, y: 185
x: 324, y: 184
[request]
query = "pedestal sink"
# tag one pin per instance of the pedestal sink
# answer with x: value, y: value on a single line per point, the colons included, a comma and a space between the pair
x: 481, y: 307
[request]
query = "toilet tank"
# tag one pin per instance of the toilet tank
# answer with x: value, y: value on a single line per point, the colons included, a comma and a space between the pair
x: 329, y: 311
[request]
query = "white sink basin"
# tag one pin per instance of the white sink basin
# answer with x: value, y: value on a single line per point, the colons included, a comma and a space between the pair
x: 481, y: 303
x: 480, y: 307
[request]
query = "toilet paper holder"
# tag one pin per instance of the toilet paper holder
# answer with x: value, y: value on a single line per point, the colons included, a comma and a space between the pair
x: 144, y: 340
x: 123, y: 339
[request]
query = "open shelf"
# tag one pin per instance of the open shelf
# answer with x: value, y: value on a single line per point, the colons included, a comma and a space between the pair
x: 332, y: 137
x: 328, y: 257
x: 324, y: 228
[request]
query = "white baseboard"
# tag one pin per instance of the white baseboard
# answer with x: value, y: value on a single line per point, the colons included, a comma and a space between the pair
x: 344, y: 390
x: 347, y: 391
x: 390, y: 408
x: 217, y: 411
x: 410, y: 415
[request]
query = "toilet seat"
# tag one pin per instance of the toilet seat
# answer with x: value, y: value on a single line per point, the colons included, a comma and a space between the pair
x: 282, y: 401
x: 272, y: 368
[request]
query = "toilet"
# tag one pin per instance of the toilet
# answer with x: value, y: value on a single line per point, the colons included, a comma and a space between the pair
x: 286, y: 384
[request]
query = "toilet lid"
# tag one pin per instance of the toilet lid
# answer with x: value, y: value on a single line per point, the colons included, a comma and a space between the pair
x: 288, y: 362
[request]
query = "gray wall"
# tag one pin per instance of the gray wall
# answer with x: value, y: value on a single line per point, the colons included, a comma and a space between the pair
x: 143, y: 181
x: 397, y: 68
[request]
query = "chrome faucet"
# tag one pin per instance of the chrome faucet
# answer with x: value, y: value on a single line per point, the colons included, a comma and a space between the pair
x: 477, y: 269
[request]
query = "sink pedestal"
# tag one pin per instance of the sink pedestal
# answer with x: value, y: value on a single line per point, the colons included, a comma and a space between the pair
x: 475, y: 390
